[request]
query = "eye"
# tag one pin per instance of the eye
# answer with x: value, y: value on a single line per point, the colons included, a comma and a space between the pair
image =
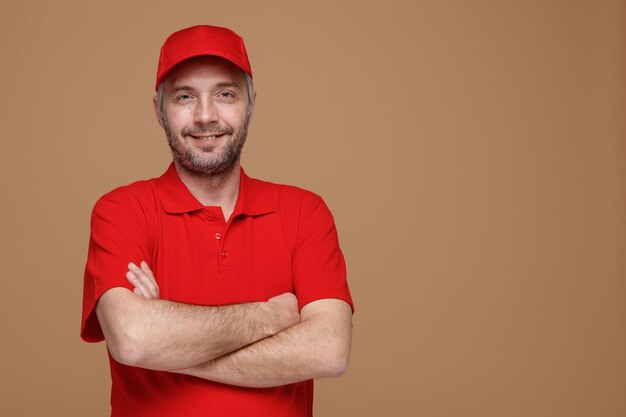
x: 227, y: 94
x: 184, y: 97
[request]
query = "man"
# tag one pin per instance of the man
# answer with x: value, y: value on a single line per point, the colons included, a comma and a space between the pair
x: 217, y: 294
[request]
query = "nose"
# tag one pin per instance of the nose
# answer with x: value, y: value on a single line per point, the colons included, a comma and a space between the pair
x: 205, y: 112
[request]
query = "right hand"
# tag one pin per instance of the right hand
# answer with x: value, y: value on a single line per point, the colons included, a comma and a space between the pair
x: 143, y: 280
x: 285, y: 307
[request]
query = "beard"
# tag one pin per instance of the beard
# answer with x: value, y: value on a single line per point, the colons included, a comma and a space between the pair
x: 208, y: 161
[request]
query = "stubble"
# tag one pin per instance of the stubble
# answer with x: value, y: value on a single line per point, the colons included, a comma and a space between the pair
x: 207, y: 161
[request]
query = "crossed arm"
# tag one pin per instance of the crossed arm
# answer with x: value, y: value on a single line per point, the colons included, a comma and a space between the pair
x: 255, y: 344
x: 318, y: 346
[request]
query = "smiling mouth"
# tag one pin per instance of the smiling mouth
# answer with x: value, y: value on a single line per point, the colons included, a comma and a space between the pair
x: 207, y: 137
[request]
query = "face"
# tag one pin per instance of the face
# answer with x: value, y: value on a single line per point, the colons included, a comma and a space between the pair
x: 205, y: 115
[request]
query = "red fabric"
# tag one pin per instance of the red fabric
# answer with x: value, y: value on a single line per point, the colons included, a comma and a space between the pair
x: 201, y: 40
x: 279, y: 239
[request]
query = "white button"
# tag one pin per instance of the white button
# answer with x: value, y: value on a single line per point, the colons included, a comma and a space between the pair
x: 218, y: 236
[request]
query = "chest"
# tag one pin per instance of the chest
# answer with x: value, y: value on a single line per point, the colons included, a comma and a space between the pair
x: 200, y: 259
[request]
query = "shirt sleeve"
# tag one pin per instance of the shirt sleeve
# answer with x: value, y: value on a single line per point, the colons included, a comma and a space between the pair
x: 319, y: 268
x: 119, y: 235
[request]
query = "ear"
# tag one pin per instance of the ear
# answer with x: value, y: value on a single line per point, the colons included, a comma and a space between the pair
x: 251, y: 109
x: 157, y: 111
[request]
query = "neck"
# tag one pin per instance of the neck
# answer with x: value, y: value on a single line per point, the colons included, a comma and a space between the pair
x: 213, y: 190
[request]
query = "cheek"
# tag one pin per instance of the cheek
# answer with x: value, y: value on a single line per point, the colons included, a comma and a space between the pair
x: 235, y: 117
x: 179, y: 118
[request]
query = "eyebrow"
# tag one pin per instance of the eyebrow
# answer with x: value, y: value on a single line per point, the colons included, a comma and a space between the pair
x: 232, y: 84
x: 181, y: 88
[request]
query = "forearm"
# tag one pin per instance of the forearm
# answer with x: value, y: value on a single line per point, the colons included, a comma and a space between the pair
x: 165, y: 335
x: 318, y: 346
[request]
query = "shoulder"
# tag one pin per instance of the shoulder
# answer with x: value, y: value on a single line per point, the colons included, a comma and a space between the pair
x: 133, y: 191
x: 302, y: 211
x: 288, y: 197
x: 138, y: 196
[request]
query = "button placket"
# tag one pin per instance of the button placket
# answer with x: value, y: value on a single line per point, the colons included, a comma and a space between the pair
x: 225, y: 259
x: 216, y: 232
x: 222, y: 253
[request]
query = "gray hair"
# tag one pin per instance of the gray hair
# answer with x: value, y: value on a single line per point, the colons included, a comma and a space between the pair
x: 249, y: 87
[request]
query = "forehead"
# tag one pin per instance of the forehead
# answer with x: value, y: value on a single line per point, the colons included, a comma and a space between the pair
x: 204, y: 71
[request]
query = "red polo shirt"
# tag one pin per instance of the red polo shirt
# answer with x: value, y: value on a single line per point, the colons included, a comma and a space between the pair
x: 278, y: 239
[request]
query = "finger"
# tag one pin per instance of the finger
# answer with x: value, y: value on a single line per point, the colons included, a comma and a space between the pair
x: 138, y: 293
x: 146, y: 283
x: 146, y: 269
x: 143, y: 282
x: 138, y: 284
x: 154, y: 286
x: 140, y: 280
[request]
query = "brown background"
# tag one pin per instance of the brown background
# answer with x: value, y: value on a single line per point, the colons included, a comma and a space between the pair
x: 473, y: 153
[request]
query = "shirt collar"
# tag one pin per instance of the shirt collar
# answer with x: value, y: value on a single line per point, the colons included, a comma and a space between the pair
x: 254, y: 196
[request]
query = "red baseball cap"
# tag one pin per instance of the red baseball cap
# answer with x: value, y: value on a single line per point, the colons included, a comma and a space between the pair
x: 202, y: 40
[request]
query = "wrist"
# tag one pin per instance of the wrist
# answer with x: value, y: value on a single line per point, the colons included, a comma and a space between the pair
x: 270, y: 319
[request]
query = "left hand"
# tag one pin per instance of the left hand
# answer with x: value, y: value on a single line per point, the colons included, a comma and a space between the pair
x: 143, y: 280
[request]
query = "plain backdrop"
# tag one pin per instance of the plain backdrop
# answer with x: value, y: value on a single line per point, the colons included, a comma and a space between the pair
x: 473, y: 154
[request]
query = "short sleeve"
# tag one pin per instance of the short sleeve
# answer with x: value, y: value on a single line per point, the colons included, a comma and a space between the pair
x: 119, y: 235
x: 319, y: 268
